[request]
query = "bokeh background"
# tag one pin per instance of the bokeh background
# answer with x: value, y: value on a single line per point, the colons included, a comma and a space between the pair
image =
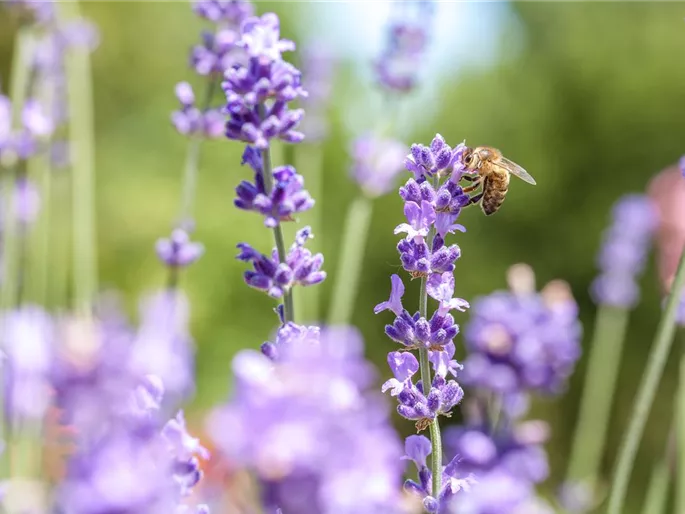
x: 587, y: 96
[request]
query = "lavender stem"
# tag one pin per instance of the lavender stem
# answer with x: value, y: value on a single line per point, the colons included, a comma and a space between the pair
x: 192, y: 164
x: 81, y: 138
x: 289, y: 312
x: 352, y: 245
x: 598, y: 393
x: 680, y: 432
x: 436, y: 439
x: 646, y: 392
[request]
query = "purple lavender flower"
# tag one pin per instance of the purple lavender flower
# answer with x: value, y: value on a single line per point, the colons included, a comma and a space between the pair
x: 127, y: 459
x: 178, y: 251
x: 290, y: 334
x: 681, y: 165
x: 523, y: 341
x: 310, y: 430
x: 414, y: 404
x: 28, y: 342
x: 505, y: 466
x: 376, y: 163
x: 437, y: 159
x: 275, y: 277
x: 417, y: 448
x: 217, y: 53
x: 624, y: 252
x: 266, y: 76
x: 398, y: 66
x: 287, y: 197
x: 189, y: 120
x: 223, y: 11
x: 163, y: 346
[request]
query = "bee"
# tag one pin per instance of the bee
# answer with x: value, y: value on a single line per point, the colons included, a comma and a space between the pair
x: 494, y: 171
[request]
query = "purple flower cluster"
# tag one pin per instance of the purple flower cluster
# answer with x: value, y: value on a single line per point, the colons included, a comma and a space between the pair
x: 23, y: 142
x: 397, y: 67
x: 190, y: 120
x: 523, y: 341
x: 257, y: 97
x: 287, y: 198
x: 178, y: 251
x: 431, y: 212
x: 275, y: 278
x: 376, y: 163
x: 624, y: 252
x: 505, y: 464
x: 266, y: 76
x: 307, y: 425
x: 218, y: 52
x: 417, y: 448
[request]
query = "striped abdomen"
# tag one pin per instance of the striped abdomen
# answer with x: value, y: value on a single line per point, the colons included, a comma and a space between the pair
x: 494, y: 191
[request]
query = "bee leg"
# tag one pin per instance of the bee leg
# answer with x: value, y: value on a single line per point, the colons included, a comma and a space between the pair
x: 476, y: 184
x: 469, y: 178
x: 475, y: 199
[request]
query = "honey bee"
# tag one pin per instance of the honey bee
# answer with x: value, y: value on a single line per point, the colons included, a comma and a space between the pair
x: 494, y: 171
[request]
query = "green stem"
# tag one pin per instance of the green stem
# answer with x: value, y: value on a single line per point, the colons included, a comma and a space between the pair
x: 60, y: 240
x: 40, y: 167
x: 598, y: 392
x: 646, y: 392
x: 192, y: 164
x: 289, y: 307
x: 436, y: 439
x: 81, y: 140
x: 680, y: 432
x: 348, y: 272
x: 657, y: 491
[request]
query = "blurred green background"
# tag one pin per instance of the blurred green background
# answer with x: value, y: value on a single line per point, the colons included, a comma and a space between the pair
x: 587, y: 96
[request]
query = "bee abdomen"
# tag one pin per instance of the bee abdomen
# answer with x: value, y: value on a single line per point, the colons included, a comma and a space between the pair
x: 493, y: 199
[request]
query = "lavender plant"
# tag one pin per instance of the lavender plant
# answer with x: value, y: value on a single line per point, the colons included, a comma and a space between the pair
x: 621, y: 261
x: 431, y: 208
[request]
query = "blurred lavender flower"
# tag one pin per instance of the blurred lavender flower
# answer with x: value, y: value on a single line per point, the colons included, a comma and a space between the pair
x: 178, y: 251
x: 521, y: 340
x: 217, y: 53
x: 32, y: 11
x: 27, y: 341
x: 189, y: 120
x: 318, y: 68
x: 163, y: 346
x: 27, y: 201
x: 417, y: 449
x: 624, y: 252
x: 287, y: 197
x: 127, y: 460
x: 266, y: 76
x: 230, y: 12
x: 317, y: 440
x: 505, y: 466
x: 398, y: 66
x: 276, y: 278
x: 290, y: 334
x: 681, y: 165
x: 376, y: 163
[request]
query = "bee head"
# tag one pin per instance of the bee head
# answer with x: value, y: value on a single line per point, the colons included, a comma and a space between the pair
x: 470, y: 159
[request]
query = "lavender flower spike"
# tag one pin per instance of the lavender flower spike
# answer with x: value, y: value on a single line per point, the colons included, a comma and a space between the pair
x: 376, y: 163
x: 178, y: 251
x: 287, y: 198
x: 276, y: 278
x: 624, y: 252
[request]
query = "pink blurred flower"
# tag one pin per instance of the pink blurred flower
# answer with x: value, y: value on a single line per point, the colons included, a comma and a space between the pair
x: 667, y: 190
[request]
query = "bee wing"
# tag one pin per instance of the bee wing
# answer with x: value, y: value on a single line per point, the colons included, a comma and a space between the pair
x: 514, y: 169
